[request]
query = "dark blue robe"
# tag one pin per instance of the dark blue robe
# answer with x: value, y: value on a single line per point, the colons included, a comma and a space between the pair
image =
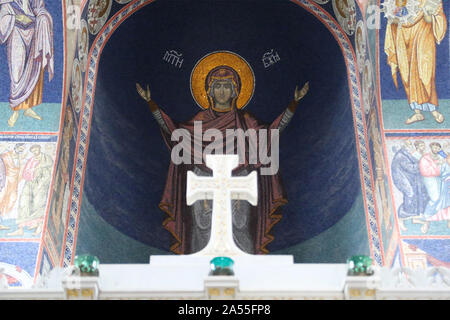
x: 406, y: 177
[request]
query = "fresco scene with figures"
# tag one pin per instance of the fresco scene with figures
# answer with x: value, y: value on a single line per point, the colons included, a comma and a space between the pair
x: 341, y: 109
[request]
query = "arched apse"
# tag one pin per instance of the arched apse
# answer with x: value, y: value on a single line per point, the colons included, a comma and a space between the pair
x: 320, y: 152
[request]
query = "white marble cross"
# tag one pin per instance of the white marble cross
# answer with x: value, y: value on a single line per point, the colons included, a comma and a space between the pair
x: 221, y: 188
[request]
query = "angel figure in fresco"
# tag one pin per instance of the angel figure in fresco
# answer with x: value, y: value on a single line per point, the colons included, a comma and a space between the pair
x: 410, y: 46
x: 26, y: 28
x: 223, y: 81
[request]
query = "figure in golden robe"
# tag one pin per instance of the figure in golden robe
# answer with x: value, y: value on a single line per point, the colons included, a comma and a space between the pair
x: 411, y: 51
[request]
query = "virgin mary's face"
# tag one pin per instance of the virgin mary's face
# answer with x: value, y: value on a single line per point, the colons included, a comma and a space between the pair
x: 222, y: 91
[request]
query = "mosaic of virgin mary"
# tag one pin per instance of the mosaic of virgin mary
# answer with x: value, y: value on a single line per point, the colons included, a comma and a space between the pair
x: 26, y: 28
x: 222, y: 83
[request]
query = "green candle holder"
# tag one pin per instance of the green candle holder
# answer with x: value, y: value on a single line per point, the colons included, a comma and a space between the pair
x: 87, y: 265
x: 360, y: 265
x: 221, y: 266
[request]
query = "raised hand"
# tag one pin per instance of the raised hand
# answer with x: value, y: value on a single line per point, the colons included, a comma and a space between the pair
x: 299, y: 94
x: 145, y: 94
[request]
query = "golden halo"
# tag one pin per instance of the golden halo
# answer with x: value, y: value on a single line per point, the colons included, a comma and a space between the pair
x: 222, y: 58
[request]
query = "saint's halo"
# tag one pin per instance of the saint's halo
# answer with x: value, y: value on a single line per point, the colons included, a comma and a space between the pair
x: 222, y: 58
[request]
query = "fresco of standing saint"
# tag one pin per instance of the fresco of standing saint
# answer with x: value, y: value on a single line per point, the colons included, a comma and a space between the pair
x: 410, y: 45
x: 26, y: 28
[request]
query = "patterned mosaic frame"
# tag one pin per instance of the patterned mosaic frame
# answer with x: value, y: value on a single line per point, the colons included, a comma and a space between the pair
x: 81, y: 149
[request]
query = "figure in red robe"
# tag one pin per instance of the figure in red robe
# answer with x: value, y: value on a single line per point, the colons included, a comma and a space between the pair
x: 190, y: 225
